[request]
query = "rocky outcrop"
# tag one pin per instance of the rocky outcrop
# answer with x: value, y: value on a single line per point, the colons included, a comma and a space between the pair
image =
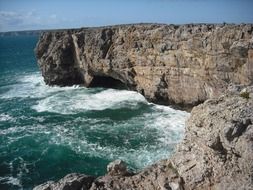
x: 217, y: 151
x: 169, y: 64
x: 215, y: 154
x: 118, y: 168
x: 160, y: 176
x: 72, y: 181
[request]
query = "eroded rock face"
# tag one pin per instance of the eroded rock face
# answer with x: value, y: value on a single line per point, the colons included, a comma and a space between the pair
x: 168, y: 64
x: 72, y: 181
x: 216, y: 153
x: 160, y: 176
x: 117, y: 168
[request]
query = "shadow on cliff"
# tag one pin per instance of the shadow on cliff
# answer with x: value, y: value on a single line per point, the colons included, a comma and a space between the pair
x: 107, y: 82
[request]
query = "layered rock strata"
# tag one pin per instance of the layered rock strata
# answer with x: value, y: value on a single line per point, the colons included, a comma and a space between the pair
x: 168, y: 64
x: 215, y: 154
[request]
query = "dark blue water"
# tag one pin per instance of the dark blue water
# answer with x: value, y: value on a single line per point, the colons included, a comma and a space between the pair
x: 48, y: 132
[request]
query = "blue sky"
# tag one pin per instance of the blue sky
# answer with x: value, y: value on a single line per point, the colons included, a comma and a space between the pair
x: 49, y: 14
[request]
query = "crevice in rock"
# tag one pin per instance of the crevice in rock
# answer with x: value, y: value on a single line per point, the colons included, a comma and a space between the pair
x: 237, y: 129
x: 107, y: 82
x: 106, y: 38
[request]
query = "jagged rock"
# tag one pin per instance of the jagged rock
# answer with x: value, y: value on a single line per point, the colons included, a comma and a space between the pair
x: 117, y: 167
x: 72, y: 181
x: 217, y: 151
x: 160, y: 176
x: 168, y: 64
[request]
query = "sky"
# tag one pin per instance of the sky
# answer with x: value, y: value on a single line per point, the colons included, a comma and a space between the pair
x: 16, y: 15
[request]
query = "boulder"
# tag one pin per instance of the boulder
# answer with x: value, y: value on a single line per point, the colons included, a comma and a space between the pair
x: 117, y: 167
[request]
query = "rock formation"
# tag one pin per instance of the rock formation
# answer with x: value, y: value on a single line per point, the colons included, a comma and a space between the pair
x: 168, y: 64
x: 216, y: 153
x: 69, y: 182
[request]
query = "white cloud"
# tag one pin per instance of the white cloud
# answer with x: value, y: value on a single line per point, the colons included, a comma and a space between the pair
x: 10, y: 20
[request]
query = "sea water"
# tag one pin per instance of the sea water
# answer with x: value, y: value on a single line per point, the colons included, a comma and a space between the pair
x: 48, y: 132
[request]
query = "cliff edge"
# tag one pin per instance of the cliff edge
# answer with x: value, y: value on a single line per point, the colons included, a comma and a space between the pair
x: 168, y: 64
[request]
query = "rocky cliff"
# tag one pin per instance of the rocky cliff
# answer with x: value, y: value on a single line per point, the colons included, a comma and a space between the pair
x: 168, y: 64
x: 216, y: 154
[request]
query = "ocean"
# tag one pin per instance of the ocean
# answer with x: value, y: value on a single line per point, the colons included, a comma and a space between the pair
x: 48, y: 132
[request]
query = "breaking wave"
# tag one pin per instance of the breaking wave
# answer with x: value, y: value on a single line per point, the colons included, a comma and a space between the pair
x: 92, y: 124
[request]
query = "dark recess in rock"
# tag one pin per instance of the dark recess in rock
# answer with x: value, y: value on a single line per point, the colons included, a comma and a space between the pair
x: 107, y: 82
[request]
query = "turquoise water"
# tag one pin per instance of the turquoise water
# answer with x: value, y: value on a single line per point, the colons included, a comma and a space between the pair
x: 47, y: 132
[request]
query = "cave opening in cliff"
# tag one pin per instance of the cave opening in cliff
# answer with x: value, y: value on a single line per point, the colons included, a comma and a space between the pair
x: 107, y: 82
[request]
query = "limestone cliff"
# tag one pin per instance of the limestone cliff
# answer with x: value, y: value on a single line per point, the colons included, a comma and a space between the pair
x: 168, y: 64
x: 216, y: 154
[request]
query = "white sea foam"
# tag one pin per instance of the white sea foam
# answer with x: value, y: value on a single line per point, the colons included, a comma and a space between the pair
x: 75, y: 101
x: 32, y: 86
x: 5, y: 117
x: 166, y: 123
x: 10, y: 180
x: 170, y: 123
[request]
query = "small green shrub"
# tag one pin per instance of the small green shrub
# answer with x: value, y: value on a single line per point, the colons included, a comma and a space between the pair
x: 245, y: 95
x: 173, y: 169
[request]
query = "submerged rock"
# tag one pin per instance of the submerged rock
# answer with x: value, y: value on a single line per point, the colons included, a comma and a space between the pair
x: 216, y: 153
x: 168, y: 64
x: 117, y: 168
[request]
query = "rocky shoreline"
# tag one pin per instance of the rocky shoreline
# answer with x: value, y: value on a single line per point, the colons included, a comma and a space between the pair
x: 181, y: 65
x: 216, y: 153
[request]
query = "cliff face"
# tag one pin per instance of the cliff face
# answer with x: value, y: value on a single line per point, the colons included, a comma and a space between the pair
x: 217, y: 151
x: 216, y: 154
x: 168, y: 64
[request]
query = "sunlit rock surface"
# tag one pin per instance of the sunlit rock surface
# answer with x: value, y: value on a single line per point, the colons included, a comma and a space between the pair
x: 168, y: 64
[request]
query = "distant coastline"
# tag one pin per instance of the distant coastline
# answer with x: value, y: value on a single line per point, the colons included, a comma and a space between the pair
x: 22, y: 33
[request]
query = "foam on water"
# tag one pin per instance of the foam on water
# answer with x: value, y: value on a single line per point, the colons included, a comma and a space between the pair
x: 169, y: 122
x: 5, y: 117
x: 113, y: 124
x: 32, y: 86
x: 10, y: 180
x: 75, y: 101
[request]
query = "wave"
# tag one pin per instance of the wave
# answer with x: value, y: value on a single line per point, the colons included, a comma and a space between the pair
x: 5, y: 117
x: 148, y: 135
x: 169, y: 122
x: 69, y: 100
x: 10, y: 180
x: 75, y: 101
x: 32, y: 86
